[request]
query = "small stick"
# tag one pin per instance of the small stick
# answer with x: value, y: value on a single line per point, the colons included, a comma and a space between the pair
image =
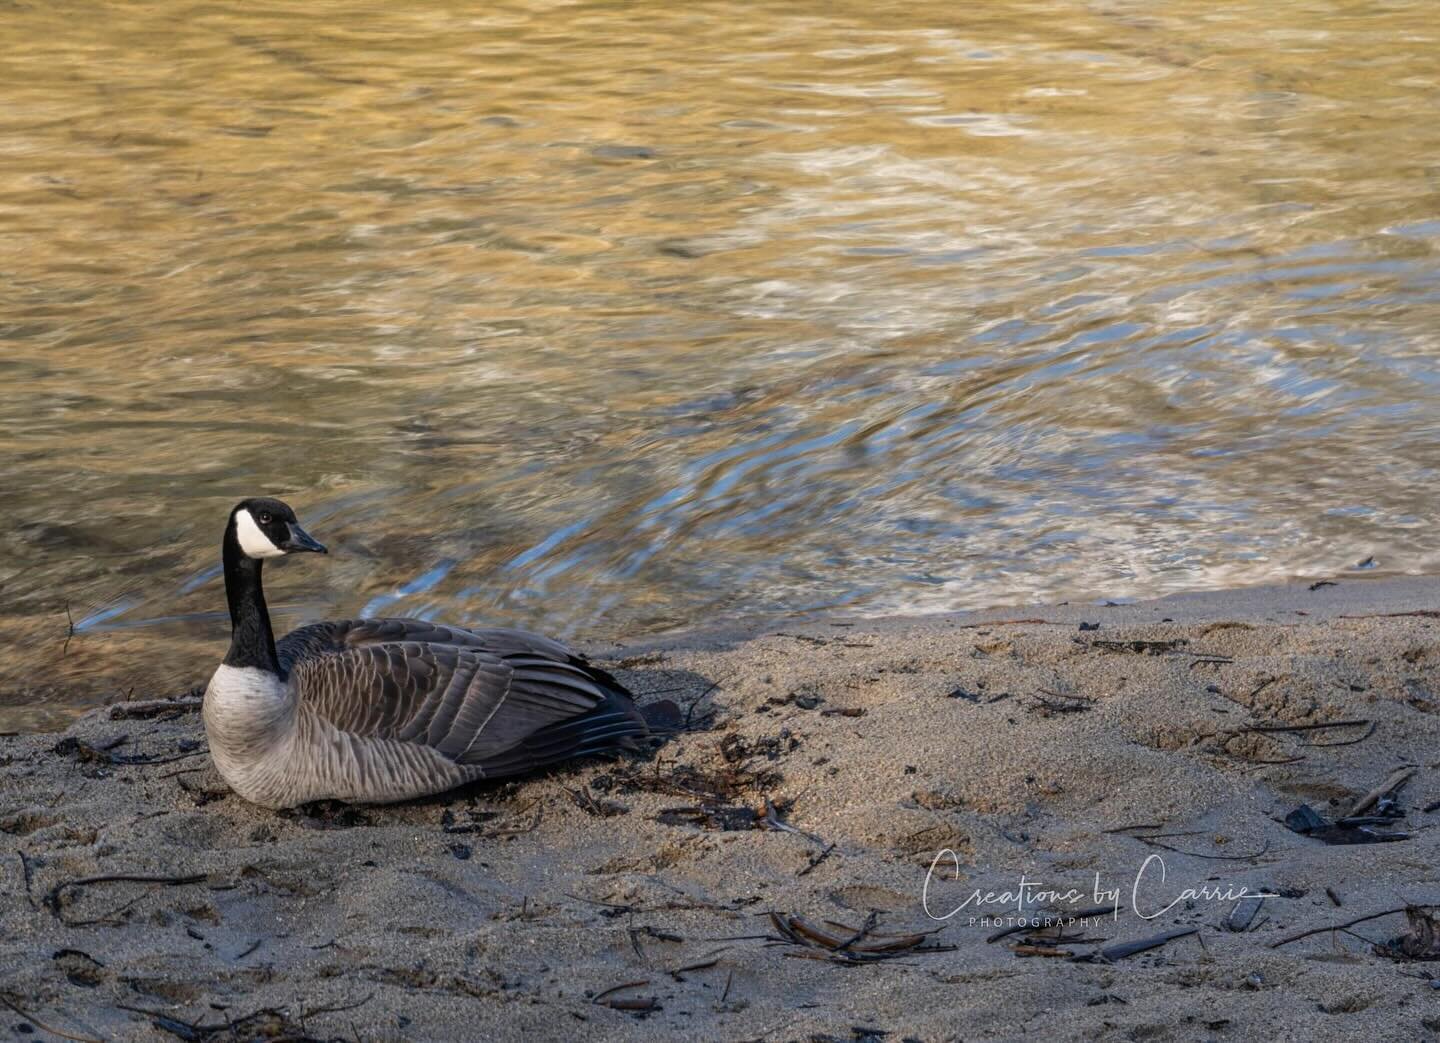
x: 816, y: 860
x: 40, y: 1024
x: 690, y: 710
x: 803, y: 637
x: 107, y: 919
x: 334, y: 1010
x: 138, y: 760
x: 1119, y: 952
x: 1389, y: 787
x: 29, y: 879
x: 1426, y: 613
x: 1346, y: 742
x: 1196, y: 854
x: 1330, y: 893
x: 1039, y: 950
x: 1168, y: 836
x: 196, y: 1030
x: 52, y: 900
x: 773, y: 820
x: 1357, y: 722
x: 1335, y: 927
x: 616, y: 988
x: 1262, y: 686
x: 865, y: 928
x: 595, y: 901
x: 700, y: 965
x: 1009, y: 623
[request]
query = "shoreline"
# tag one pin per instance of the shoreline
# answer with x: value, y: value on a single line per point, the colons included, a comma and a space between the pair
x: 830, y: 763
x: 1315, y: 600
x: 107, y: 665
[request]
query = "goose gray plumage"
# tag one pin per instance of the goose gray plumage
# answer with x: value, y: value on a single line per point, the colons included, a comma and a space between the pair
x: 380, y: 710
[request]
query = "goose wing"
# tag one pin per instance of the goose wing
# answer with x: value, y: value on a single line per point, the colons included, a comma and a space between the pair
x: 493, y: 698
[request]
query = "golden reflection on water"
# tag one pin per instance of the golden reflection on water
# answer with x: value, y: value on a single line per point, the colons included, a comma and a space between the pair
x: 612, y: 318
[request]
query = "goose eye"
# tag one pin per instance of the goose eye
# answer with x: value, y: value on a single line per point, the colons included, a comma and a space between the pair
x: 264, y: 518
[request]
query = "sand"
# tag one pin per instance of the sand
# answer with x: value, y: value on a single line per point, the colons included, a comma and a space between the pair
x: 1033, y: 748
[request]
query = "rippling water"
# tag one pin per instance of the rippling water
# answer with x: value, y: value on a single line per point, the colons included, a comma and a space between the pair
x: 613, y: 318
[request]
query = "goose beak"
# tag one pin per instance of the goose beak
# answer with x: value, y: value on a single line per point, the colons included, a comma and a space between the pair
x: 300, y: 540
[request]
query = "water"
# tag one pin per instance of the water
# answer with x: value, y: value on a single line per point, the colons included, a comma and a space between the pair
x: 615, y: 318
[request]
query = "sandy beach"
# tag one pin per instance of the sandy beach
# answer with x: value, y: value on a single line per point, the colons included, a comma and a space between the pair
x: 764, y: 874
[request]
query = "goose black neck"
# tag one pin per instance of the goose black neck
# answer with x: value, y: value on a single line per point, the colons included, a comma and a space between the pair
x: 251, y: 641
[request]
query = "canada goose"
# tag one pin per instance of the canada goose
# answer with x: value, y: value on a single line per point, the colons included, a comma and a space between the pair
x: 378, y: 710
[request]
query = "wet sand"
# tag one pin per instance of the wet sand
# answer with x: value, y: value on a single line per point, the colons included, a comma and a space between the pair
x: 1027, y: 744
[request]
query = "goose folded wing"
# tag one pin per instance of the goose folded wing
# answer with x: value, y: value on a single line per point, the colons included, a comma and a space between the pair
x: 465, y: 702
x: 341, y: 635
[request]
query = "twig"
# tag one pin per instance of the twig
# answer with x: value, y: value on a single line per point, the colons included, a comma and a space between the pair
x: 1345, y: 742
x: 40, y: 1024
x: 1389, y: 787
x: 640, y: 1004
x: 869, y: 925
x: 1059, y: 703
x: 1261, y: 687
x: 690, y: 710
x: 29, y: 878
x: 815, y: 861
x: 1426, y: 613
x: 773, y: 821
x: 847, y: 948
x: 703, y: 964
x: 52, y: 900
x: 1306, y: 727
x: 1196, y: 854
x: 193, y: 1030
x: 1027, y: 949
x: 1335, y: 927
x: 139, y: 759
x: 619, y: 908
x: 1118, y: 952
x: 1008, y: 623
x: 315, y: 1012
x: 1170, y: 836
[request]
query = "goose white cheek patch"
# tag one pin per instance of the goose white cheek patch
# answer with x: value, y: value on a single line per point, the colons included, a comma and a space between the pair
x: 252, y: 541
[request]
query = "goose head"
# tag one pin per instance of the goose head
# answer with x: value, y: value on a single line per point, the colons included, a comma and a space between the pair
x: 266, y: 528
